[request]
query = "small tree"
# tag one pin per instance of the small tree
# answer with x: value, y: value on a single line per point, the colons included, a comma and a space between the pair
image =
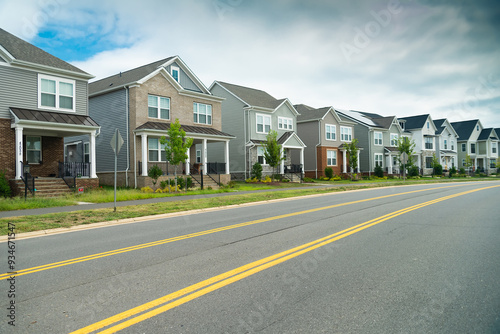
x: 272, y: 150
x: 176, y: 146
x: 437, y: 169
x: 154, y: 173
x: 257, y: 171
x: 352, y: 150
x: 407, y: 145
x: 468, y: 163
x: 453, y: 171
x: 378, y: 171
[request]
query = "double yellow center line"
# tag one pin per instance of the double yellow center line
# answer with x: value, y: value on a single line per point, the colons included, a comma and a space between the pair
x: 196, y: 234
x: 170, y: 301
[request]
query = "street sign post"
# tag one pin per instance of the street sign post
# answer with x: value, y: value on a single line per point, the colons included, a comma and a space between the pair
x: 404, y: 161
x: 116, y: 144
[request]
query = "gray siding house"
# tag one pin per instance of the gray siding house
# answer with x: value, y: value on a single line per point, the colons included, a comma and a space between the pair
x: 141, y: 103
x: 446, y: 144
x: 43, y: 100
x: 378, y: 136
x: 324, y: 133
x: 250, y: 114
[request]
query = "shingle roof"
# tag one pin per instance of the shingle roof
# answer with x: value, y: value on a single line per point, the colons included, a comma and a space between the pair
x: 127, y: 77
x: 253, y: 97
x: 384, y: 122
x: 309, y: 113
x: 22, y: 50
x: 369, y: 115
x: 281, y: 140
x: 439, y: 125
x: 464, y: 129
x: 415, y: 122
x: 486, y: 134
x: 187, y: 128
x: 53, y: 117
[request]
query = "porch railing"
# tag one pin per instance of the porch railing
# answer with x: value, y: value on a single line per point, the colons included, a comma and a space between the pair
x: 294, y: 169
x: 74, y: 169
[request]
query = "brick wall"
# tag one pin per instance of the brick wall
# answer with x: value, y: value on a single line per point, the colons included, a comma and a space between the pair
x: 52, y: 153
x: 7, y: 149
x: 322, y: 161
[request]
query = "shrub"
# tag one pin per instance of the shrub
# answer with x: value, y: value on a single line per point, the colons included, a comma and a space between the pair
x: 5, y: 190
x: 453, y: 171
x: 413, y: 171
x: 257, y: 171
x: 267, y: 179
x: 147, y: 190
x: 379, y: 172
x: 253, y: 180
x: 308, y: 179
x: 158, y: 191
x: 164, y: 184
x: 329, y: 172
x: 154, y: 173
x: 462, y: 170
x: 438, y: 169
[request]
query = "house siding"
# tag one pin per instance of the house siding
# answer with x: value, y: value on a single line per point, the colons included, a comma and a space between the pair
x: 8, y: 151
x: 19, y: 89
x: 364, y: 140
x: 185, y: 81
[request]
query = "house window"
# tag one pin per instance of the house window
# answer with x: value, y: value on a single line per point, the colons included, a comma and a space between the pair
x: 379, y: 160
x: 198, y: 156
x: 56, y: 93
x: 463, y: 147
x: 158, y: 107
x: 331, y: 158
x: 378, y: 138
x: 263, y: 123
x: 463, y: 162
x: 477, y: 127
x: 156, y: 150
x: 428, y: 125
x: 345, y: 133
x: 445, y: 144
x: 33, y: 149
x: 260, y: 155
x: 452, y: 145
x: 331, y: 132
x: 202, y: 113
x: 428, y: 162
x: 175, y: 73
x: 395, y: 161
x: 473, y: 148
x: 285, y: 123
x: 86, y: 152
x: 429, y: 143
x: 394, y: 139
x: 493, y: 163
x: 493, y: 148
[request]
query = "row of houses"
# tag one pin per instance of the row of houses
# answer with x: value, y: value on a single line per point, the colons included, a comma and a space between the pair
x: 56, y: 122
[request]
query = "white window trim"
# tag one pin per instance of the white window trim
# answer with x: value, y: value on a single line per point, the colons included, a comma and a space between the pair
x: 206, y: 115
x: 175, y: 68
x: 394, y: 136
x: 158, y: 98
x: 264, y: 162
x: 86, y: 145
x: 159, y: 149
x: 57, y: 80
x: 263, y: 123
x: 349, y: 134
x: 336, y: 157
x: 381, y: 160
x: 375, y: 138
x: 41, y: 149
x: 198, y: 156
x: 288, y: 121
x: 334, y: 132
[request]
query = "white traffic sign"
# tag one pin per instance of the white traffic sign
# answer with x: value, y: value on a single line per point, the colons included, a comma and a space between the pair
x: 117, y: 142
x: 404, y: 158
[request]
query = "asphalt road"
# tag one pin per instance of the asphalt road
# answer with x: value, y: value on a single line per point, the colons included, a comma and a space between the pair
x: 416, y: 259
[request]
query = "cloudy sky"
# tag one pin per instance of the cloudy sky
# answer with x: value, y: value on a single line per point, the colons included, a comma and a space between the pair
x: 402, y: 58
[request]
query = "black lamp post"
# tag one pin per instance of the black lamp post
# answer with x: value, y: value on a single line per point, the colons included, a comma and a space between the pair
x: 26, y: 171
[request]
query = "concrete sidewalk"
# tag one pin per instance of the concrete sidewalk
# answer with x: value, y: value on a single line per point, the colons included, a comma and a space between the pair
x: 35, y: 212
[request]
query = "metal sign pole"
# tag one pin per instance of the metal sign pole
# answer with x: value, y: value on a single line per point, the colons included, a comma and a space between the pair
x: 116, y: 163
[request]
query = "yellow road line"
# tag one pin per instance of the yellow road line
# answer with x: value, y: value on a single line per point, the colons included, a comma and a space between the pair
x: 196, y: 234
x: 202, y: 288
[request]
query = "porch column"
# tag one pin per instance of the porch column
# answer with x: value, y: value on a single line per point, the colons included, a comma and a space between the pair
x: 302, y: 160
x: 226, y: 156
x: 282, y: 161
x: 19, y: 152
x: 344, y: 161
x: 389, y: 165
x: 204, y: 156
x: 188, y: 162
x: 144, y: 143
x: 92, y: 156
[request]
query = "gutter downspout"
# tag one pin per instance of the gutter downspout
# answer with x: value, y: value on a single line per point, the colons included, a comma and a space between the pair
x: 128, y: 139
x: 245, y: 139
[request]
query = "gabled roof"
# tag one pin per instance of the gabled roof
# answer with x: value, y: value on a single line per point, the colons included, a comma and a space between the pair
x: 308, y: 113
x: 439, y: 124
x: 127, y: 77
x: 281, y: 140
x: 464, y: 128
x: 252, y: 97
x: 367, y: 119
x: 20, y: 51
x: 487, y: 134
x: 414, y: 122
x: 190, y: 129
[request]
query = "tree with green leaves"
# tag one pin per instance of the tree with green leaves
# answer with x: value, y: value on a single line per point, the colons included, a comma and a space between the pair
x: 468, y: 163
x: 406, y: 145
x: 176, y: 146
x: 272, y: 150
x: 352, y: 150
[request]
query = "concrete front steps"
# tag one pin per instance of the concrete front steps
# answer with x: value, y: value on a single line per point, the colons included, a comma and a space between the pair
x: 207, y: 181
x: 45, y: 187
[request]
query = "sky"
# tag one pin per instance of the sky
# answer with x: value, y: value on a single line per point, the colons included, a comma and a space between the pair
x: 397, y: 57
